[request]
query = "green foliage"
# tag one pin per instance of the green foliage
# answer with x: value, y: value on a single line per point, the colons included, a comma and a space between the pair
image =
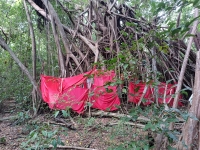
x: 159, y: 121
x: 23, y: 117
x: 42, y: 137
x: 3, y: 140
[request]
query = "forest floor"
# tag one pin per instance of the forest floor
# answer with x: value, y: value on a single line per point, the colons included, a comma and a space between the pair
x: 80, y: 133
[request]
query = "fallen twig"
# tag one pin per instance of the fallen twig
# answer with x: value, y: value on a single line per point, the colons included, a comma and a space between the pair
x: 8, y: 118
x: 109, y: 114
x: 64, y: 123
x: 71, y: 147
x: 127, y: 123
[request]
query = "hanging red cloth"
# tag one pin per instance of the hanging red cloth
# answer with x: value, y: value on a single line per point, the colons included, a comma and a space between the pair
x: 61, y: 93
x: 165, y: 93
x: 72, y: 92
x: 137, y: 90
x: 104, y: 96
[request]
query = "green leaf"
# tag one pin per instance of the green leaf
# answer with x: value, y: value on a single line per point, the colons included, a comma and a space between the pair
x: 124, y: 90
x: 44, y: 133
x: 171, y: 25
x: 189, y: 23
x: 125, y: 66
x: 184, y: 93
x: 59, y: 142
x: 161, y: 5
x: 177, y: 30
x: 109, y: 90
x: 64, y: 113
x: 54, y: 143
x: 195, y: 3
x: 35, y: 135
x: 56, y: 113
x: 189, y: 35
x: 185, y: 116
x: 149, y: 126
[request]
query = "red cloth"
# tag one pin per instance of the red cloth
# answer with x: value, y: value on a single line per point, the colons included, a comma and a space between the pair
x: 72, y: 92
x: 167, y: 91
x: 136, y: 91
x: 104, y: 97
x: 61, y: 93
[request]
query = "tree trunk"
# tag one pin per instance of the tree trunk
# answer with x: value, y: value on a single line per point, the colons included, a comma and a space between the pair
x: 60, y: 54
x: 34, y: 92
x: 181, y: 76
x: 190, y: 129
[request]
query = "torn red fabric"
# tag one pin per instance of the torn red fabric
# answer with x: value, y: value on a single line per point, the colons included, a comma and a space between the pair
x: 104, y: 97
x: 165, y: 93
x: 61, y: 93
x: 136, y: 91
x: 72, y: 92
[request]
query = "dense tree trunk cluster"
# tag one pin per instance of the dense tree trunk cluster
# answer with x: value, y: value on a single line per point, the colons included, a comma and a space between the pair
x: 107, y: 30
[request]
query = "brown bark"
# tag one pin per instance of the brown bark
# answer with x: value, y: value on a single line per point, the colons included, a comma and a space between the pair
x: 40, y: 10
x: 191, y: 126
x: 189, y: 131
x: 34, y: 93
x: 62, y: 33
x: 108, y: 23
x: 60, y: 54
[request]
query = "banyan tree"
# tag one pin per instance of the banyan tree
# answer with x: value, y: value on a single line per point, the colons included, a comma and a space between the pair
x: 109, y: 34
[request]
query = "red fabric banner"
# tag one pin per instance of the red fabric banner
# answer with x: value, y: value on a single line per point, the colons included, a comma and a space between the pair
x: 165, y: 93
x: 104, y: 97
x: 61, y: 93
x: 72, y: 92
x: 137, y: 90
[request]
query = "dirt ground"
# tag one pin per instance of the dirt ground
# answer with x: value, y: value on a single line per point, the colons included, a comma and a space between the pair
x: 93, y: 133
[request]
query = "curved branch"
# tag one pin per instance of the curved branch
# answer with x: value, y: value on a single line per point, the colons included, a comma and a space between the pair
x: 23, y: 68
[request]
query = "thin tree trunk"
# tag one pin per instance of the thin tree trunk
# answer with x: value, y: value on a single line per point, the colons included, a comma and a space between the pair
x: 40, y: 10
x: 190, y: 129
x: 48, y: 49
x: 34, y: 93
x: 60, y: 55
x: 62, y: 33
x: 181, y: 76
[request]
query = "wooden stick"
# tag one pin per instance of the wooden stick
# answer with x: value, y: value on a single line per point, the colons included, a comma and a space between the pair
x: 71, y: 147
x: 109, y: 114
x: 143, y: 94
x: 9, y: 118
x: 127, y: 123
